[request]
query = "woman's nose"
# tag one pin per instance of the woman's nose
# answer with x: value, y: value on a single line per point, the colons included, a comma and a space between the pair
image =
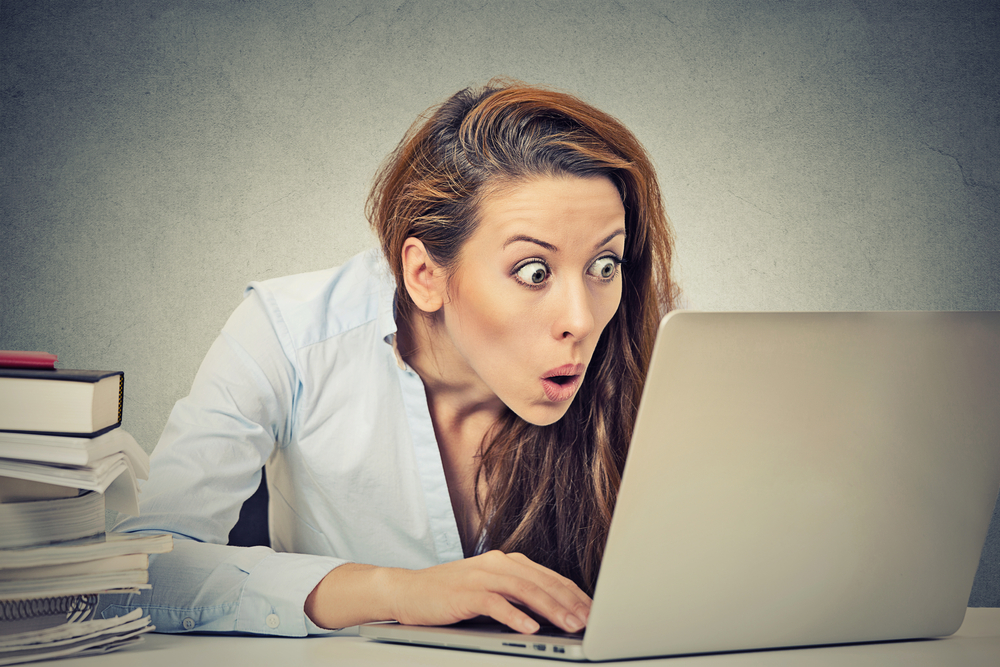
x: 575, y: 313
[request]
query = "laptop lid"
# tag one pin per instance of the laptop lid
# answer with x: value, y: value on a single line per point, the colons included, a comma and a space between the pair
x: 798, y: 479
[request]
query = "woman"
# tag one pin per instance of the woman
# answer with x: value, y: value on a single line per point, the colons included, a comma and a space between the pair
x: 444, y: 424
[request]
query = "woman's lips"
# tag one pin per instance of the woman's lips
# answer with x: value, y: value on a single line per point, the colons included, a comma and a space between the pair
x: 560, y: 384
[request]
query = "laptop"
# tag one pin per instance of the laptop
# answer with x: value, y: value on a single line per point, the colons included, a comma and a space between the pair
x: 794, y: 479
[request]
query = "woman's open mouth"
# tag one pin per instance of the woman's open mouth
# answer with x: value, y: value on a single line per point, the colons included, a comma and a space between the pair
x: 560, y: 384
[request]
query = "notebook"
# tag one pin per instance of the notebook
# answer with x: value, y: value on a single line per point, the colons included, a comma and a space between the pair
x: 794, y: 479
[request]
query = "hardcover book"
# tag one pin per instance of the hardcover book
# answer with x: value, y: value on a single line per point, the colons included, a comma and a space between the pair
x: 60, y: 401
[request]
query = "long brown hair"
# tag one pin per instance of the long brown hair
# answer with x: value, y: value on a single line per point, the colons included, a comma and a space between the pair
x: 550, y: 489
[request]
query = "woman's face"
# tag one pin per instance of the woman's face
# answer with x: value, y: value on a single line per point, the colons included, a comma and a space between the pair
x: 535, y: 286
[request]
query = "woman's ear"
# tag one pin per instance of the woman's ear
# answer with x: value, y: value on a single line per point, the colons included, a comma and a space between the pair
x: 424, y: 280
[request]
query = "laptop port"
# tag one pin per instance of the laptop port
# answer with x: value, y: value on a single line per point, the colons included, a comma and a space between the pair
x: 539, y: 647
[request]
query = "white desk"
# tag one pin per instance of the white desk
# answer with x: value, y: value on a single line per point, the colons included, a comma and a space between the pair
x: 976, y: 643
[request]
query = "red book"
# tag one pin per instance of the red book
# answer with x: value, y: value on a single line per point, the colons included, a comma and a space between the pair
x: 19, y: 359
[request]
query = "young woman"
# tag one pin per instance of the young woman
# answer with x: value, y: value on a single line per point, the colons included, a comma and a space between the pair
x: 444, y: 423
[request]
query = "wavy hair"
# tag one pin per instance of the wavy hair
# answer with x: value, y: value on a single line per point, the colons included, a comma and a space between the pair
x: 550, y: 490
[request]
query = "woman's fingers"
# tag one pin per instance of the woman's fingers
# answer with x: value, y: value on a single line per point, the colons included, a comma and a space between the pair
x: 541, y: 590
x: 577, y: 600
x: 491, y: 584
x: 500, y: 609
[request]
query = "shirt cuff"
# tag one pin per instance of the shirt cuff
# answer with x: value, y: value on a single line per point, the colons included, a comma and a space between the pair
x: 274, y: 597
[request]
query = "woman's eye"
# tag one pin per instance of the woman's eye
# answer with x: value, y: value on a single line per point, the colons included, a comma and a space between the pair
x: 604, y: 268
x: 533, y: 273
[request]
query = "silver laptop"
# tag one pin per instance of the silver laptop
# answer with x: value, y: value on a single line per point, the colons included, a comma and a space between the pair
x: 794, y: 479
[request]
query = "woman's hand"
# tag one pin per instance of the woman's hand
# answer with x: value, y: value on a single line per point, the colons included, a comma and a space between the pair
x: 486, y: 585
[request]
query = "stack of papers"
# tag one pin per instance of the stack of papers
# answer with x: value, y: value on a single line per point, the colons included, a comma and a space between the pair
x: 83, y: 638
x: 113, y: 562
x: 109, y: 464
x: 26, y: 524
x: 49, y: 592
x: 64, y: 460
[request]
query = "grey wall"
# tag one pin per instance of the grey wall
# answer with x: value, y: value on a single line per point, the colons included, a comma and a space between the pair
x: 157, y: 155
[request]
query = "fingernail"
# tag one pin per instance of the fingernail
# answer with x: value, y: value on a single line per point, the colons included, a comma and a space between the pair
x: 530, y: 626
x: 573, y: 623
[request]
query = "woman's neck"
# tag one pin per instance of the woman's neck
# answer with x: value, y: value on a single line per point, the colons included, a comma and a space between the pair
x: 462, y: 411
x: 456, y: 395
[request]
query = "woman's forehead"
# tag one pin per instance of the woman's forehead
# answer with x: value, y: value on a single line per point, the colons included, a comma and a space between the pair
x: 558, y: 204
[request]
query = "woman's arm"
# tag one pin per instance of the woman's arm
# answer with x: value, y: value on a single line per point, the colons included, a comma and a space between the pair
x: 205, y: 465
x: 489, y: 584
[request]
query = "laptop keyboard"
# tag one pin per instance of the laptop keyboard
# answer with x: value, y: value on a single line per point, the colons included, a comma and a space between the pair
x: 545, y: 629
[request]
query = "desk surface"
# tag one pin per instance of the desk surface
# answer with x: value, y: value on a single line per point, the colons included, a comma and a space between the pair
x: 977, y: 642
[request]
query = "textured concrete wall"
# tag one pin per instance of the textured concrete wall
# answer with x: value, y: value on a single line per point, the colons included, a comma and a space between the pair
x: 158, y: 155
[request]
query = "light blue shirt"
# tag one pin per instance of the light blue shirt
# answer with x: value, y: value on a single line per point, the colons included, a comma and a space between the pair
x: 305, y: 378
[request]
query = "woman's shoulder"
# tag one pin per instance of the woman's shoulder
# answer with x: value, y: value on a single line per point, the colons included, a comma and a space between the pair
x: 317, y: 305
x: 365, y: 268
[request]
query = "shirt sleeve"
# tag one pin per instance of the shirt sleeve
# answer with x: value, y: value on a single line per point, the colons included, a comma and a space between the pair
x: 206, y: 464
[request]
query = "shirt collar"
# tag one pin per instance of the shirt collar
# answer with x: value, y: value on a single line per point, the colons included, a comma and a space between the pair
x: 387, y: 310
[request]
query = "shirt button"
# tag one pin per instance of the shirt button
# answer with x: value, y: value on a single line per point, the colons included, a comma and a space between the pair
x: 272, y: 621
x: 188, y: 623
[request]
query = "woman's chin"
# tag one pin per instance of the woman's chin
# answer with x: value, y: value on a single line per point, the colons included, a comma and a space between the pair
x: 543, y: 414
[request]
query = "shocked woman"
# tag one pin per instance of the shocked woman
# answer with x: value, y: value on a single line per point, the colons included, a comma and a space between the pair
x: 444, y: 422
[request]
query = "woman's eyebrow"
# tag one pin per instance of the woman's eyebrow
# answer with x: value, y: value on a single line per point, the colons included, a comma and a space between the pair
x: 552, y: 248
x: 607, y: 239
x: 529, y: 239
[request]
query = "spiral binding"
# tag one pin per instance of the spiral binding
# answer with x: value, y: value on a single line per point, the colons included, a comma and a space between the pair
x: 121, y: 397
x: 75, y: 607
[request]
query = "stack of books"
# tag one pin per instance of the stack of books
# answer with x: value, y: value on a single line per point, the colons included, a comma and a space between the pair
x: 64, y: 460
